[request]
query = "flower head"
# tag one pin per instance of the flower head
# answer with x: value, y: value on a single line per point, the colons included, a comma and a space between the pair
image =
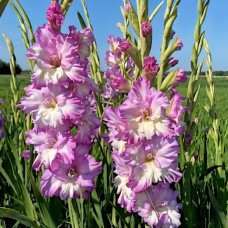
x: 149, y: 159
x: 71, y: 180
x: 51, y: 145
x: 158, y: 206
x: 145, y: 111
x: 56, y: 58
x: 51, y: 106
x: 117, y: 81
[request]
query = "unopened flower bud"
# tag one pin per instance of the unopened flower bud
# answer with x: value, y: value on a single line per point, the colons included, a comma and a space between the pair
x: 150, y: 67
x: 124, y: 45
x: 179, y: 44
x: 54, y: 15
x: 127, y: 7
x: 146, y: 28
x: 173, y: 62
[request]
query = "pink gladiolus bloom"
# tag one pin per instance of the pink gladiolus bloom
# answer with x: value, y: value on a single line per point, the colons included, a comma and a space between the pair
x: 56, y: 58
x: 180, y: 78
x: 72, y: 180
x: 158, y: 206
x: 50, y: 145
x: 118, y: 82
x: 54, y: 15
x: 171, y: 174
x: 149, y: 159
x: 146, y: 28
x: 83, y: 40
x: 111, y: 58
x: 87, y: 127
x: 83, y: 89
x: 176, y: 112
x: 117, y: 125
x: 109, y: 91
x: 150, y: 67
x: 114, y: 44
x: 26, y: 154
x: 51, y: 106
x: 123, y: 171
x: 145, y: 111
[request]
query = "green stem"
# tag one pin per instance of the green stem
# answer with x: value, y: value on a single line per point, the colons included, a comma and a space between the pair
x: 73, y: 215
x: 82, y: 208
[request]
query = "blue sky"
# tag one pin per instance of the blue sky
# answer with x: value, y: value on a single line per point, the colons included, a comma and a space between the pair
x: 105, y: 14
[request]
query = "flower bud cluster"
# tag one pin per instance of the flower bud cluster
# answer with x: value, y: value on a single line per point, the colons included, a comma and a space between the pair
x: 120, y: 68
x: 61, y: 102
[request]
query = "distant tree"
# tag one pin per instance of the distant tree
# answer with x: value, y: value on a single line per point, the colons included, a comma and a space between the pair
x: 5, y: 68
x: 18, y: 69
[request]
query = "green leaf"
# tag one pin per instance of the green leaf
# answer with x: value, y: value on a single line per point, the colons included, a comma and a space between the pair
x: 155, y: 11
x: 135, y: 55
x: 97, y: 206
x: 3, y: 4
x: 209, y: 170
x: 14, y: 214
x: 9, y: 44
x: 169, y: 80
x: 6, y: 176
x: 81, y: 20
x: 143, y: 10
x: 218, y: 208
x: 133, y: 19
x: 44, y: 212
x: 26, y: 19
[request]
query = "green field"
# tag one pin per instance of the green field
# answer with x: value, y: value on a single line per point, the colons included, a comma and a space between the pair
x: 221, y: 91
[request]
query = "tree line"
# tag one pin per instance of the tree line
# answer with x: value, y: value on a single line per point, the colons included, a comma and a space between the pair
x: 215, y: 73
x: 5, y: 68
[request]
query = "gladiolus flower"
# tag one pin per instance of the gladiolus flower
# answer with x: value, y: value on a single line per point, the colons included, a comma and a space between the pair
x: 71, y: 180
x: 158, y: 206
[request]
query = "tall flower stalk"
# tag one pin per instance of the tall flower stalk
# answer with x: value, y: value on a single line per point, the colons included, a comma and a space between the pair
x: 143, y: 129
x: 60, y: 101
